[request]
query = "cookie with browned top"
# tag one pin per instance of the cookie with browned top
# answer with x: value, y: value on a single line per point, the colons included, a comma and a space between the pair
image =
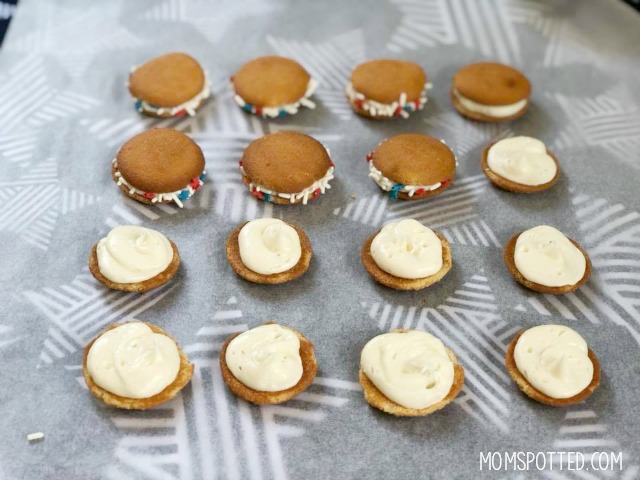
x: 286, y: 168
x: 490, y: 92
x: 160, y: 165
x: 171, y: 85
x: 412, y: 166
x: 387, y: 88
x: 273, y: 87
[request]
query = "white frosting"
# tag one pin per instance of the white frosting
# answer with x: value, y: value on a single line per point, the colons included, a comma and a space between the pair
x: 407, y: 249
x: 133, y: 361
x: 555, y: 360
x: 269, y: 245
x: 266, y: 358
x: 161, y: 197
x: 412, y: 368
x: 497, y: 111
x: 522, y: 160
x: 320, y: 185
x: 131, y: 254
x: 544, y: 255
x: 276, y: 111
x: 387, y: 184
x: 189, y: 106
x: 399, y: 107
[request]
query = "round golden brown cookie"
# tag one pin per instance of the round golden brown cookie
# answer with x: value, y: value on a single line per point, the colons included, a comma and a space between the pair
x: 138, y: 287
x: 309, y: 369
x: 490, y: 84
x: 233, y: 256
x: 271, y: 81
x: 398, y: 283
x: 509, y: 260
x: 160, y: 160
x: 413, y: 159
x: 184, y: 376
x: 168, y: 80
x: 384, y: 81
x: 536, y: 394
x: 511, y: 186
x: 286, y: 163
x: 379, y: 400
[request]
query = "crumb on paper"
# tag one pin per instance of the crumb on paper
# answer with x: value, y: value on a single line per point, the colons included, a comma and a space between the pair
x: 32, y: 437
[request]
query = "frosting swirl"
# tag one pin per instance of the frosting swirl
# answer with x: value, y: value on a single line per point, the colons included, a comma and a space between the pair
x: 269, y: 245
x: 131, y: 254
x: 411, y: 368
x: 407, y: 249
x: 133, y: 361
x: 555, y: 360
x: 544, y: 255
x: 522, y: 160
x: 266, y: 358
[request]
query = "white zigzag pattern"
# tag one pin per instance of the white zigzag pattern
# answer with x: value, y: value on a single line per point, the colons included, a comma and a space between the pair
x: 7, y: 336
x: 80, y: 309
x: 477, y: 24
x: 566, y: 43
x: 533, y: 13
x: 19, y: 148
x: 27, y: 99
x: 453, y: 212
x: 76, y: 30
x: 211, y: 22
x: 207, y: 432
x: 330, y: 63
x: 582, y: 431
x: 469, y: 324
x: 33, y: 203
x: 612, y: 234
x: 606, y: 120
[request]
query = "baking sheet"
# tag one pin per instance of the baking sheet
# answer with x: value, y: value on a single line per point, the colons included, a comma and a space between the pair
x: 64, y: 112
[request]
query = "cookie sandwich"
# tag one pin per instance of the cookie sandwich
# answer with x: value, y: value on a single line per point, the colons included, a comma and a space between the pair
x: 286, y: 168
x: 160, y: 165
x: 406, y: 255
x: 543, y: 259
x: 409, y: 373
x: 135, y: 366
x: 490, y: 92
x: 520, y: 165
x: 552, y: 364
x: 273, y: 86
x: 269, y: 251
x: 387, y: 89
x: 134, y: 259
x: 268, y: 364
x: 412, y: 166
x: 171, y: 85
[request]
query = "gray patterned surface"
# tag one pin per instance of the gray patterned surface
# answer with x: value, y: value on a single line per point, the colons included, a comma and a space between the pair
x: 64, y: 112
